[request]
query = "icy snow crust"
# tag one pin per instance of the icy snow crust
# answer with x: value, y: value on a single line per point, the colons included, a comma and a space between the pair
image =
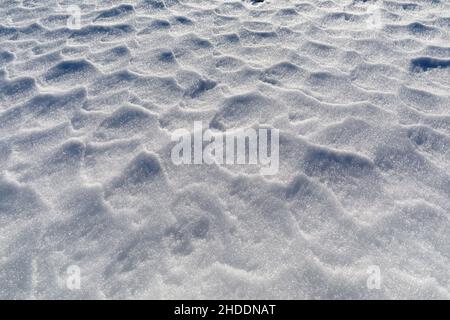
x: 86, y: 176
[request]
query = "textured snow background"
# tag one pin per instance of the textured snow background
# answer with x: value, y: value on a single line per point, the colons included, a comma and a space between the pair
x: 86, y: 177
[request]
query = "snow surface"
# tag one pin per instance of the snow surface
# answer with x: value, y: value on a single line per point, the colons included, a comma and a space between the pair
x: 359, y: 90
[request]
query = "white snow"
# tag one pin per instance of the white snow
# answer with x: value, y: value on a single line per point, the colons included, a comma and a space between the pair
x: 359, y: 89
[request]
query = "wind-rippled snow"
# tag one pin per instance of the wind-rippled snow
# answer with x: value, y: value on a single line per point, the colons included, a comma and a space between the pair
x: 86, y: 178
